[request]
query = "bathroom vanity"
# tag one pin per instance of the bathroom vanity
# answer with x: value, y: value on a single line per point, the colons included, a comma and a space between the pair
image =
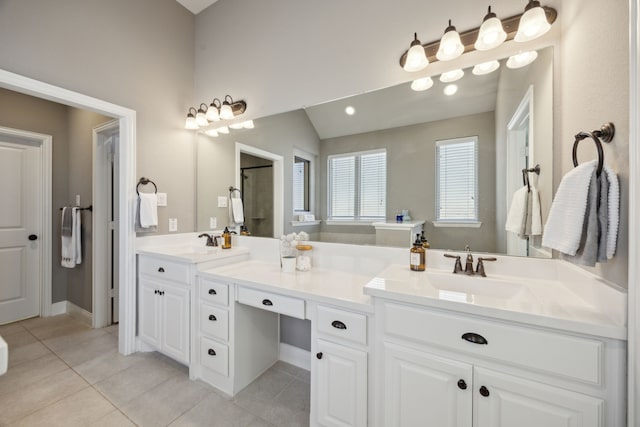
x: 538, y: 342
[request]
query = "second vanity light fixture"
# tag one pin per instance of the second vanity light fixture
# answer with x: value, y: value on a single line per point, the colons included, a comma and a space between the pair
x: 216, y: 111
x: 535, y: 21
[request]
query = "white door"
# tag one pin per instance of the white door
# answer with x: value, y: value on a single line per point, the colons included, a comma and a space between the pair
x: 20, y: 230
x: 507, y: 401
x: 341, y: 396
x: 175, y: 323
x: 426, y: 390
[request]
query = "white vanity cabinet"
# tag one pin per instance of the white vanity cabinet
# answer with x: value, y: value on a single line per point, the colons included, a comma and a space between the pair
x: 163, y: 311
x: 339, y: 368
x: 446, y: 369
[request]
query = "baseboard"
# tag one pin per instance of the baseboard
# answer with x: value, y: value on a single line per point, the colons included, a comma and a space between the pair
x: 79, y: 313
x: 59, y: 307
x: 295, y: 356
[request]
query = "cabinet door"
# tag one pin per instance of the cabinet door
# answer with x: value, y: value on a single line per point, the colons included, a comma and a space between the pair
x: 509, y: 401
x: 148, y: 312
x: 425, y: 390
x: 341, y: 385
x: 175, y: 322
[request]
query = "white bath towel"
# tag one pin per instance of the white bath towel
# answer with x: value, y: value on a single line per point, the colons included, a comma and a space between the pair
x: 71, y: 253
x: 237, y: 210
x: 613, y: 211
x: 563, y: 230
x: 148, y: 210
x: 517, y: 212
x: 536, y: 212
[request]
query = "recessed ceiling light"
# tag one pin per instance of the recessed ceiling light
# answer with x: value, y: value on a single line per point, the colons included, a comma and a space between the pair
x: 350, y: 110
x: 450, y: 90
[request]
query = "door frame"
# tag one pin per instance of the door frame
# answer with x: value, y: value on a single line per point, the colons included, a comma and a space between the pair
x: 126, y: 161
x: 278, y: 182
x: 45, y: 247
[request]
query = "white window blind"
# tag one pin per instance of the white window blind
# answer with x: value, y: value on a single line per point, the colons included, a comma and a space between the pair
x: 457, y: 179
x: 357, y: 186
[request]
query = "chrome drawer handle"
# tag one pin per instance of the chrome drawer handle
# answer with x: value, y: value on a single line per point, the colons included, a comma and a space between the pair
x: 474, y: 338
x: 161, y: 270
x: 212, y: 318
x: 212, y: 292
x: 267, y: 302
x: 338, y: 324
x: 211, y: 352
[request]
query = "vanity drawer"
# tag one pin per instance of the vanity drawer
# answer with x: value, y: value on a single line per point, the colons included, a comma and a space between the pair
x: 342, y: 324
x: 214, y: 356
x: 160, y: 268
x: 214, y: 321
x: 290, y: 306
x: 215, y: 292
x: 545, y: 351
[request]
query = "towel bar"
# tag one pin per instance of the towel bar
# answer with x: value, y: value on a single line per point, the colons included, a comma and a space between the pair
x: 145, y: 181
x: 88, y: 208
x: 605, y: 133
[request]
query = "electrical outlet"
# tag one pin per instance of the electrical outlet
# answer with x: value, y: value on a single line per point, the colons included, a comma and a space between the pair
x: 213, y: 223
x: 222, y: 202
x: 173, y: 224
x: 162, y: 199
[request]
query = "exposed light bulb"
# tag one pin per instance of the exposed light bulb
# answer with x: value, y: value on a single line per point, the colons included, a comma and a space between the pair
x: 491, y: 32
x: 416, y: 59
x: 422, y: 84
x: 450, y: 45
x: 533, y: 22
x: 451, y: 76
x: 450, y: 89
x: 485, y: 68
x: 522, y: 59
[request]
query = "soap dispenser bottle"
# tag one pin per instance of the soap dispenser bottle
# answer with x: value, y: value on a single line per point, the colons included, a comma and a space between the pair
x: 417, y: 256
x: 425, y: 242
x: 226, y: 239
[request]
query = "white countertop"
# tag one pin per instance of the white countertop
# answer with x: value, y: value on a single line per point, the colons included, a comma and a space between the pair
x: 546, y: 303
x: 192, y: 254
x: 329, y: 286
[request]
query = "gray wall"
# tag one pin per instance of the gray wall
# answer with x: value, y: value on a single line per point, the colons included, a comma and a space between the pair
x: 411, y: 178
x: 138, y: 54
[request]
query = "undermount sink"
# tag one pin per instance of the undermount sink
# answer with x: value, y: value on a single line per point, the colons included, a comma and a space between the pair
x: 474, y: 285
x: 4, y: 356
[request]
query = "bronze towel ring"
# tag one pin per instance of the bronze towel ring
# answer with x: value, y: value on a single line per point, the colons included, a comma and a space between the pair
x: 605, y: 133
x: 145, y: 181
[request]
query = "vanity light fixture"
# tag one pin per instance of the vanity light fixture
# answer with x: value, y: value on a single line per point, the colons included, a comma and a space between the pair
x: 201, y: 118
x: 491, y: 33
x: 533, y: 22
x: 485, y: 68
x: 416, y: 57
x: 451, y: 76
x: 236, y: 126
x: 223, y: 129
x: 450, y: 44
x: 191, y: 123
x: 213, y: 113
x: 248, y: 124
x: 522, y: 59
x: 350, y: 110
x: 422, y: 84
x: 450, y: 89
x: 231, y: 108
x: 469, y: 39
x: 211, y: 132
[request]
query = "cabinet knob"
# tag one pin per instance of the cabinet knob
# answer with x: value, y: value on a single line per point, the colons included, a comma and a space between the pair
x: 161, y: 270
x: 212, y: 318
x: 212, y: 292
x: 161, y: 292
x: 319, y: 355
x: 155, y: 292
x: 267, y: 302
x: 462, y: 385
x: 211, y: 352
x: 338, y: 324
x: 474, y: 338
x: 484, y: 391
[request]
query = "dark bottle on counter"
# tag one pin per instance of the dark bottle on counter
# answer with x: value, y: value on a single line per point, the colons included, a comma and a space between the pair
x: 417, y: 257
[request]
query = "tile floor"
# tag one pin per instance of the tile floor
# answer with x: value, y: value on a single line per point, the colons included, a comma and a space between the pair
x: 63, y: 373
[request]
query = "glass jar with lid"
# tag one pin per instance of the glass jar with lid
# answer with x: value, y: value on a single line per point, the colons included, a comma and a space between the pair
x: 304, y: 257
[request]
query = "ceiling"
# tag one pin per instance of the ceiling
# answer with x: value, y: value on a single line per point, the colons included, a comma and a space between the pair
x: 196, y: 6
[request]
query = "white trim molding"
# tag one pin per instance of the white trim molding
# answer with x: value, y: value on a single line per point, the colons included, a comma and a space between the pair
x: 295, y: 356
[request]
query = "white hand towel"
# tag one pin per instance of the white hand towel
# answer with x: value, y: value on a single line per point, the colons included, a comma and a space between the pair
x: 517, y: 211
x: 237, y: 210
x: 77, y: 234
x: 536, y: 218
x: 614, y: 211
x: 563, y: 229
x: 71, y: 253
x: 148, y: 210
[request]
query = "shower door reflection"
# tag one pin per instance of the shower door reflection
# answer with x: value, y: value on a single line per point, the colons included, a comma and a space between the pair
x: 257, y: 194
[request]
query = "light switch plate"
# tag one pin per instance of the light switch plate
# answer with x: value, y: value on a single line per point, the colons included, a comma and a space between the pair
x: 173, y: 224
x: 162, y: 199
x: 222, y: 202
x: 213, y: 223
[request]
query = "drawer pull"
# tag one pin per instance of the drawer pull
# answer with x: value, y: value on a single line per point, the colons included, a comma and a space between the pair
x: 319, y: 355
x: 474, y: 338
x: 462, y: 385
x: 161, y: 270
x: 484, y: 391
x: 211, y: 352
x: 212, y: 292
x: 267, y: 302
x: 212, y: 318
x: 338, y: 324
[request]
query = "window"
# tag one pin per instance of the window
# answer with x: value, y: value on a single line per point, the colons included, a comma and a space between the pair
x: 457, y: 180
x: 301, y: 184
x: 357, y: 186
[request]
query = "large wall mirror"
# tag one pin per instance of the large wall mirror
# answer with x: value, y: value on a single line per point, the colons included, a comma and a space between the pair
x: 508, y: 112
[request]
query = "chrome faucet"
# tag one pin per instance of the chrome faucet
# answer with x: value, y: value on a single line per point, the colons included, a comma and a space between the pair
x: 211, y: 240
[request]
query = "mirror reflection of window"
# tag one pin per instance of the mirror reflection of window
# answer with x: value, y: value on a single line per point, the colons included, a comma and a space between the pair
x: 457, y: 180
x: 301, y: 184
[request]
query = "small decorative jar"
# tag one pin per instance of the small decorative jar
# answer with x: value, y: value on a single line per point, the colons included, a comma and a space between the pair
x: 304, y: 257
